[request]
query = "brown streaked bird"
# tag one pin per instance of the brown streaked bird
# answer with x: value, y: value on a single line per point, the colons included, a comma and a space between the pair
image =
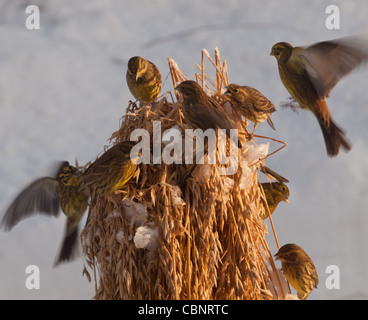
x: 110, y: 172
x: 46, y: 196
x: 298, y: 269
x: 251, y: 103
x: 310, y: 73
x: 143, y: 79
x: 201, y: 111
x: 275, y: 192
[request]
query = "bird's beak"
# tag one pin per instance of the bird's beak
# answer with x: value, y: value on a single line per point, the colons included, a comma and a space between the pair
x: 286, y: 199
x: 276, y: 257
x: 271, y: 53
x: 138, y: 75
x: 227, y: 94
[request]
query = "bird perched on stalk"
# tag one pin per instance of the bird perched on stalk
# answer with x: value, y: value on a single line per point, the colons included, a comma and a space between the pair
x: 275, y: 192
x: 110, y: 172
x: 201, y: 111
x: 46, y: 195
x: 250, y: 103
x: 143, y: 79
x: 310, y: 73
x: 298, y: 269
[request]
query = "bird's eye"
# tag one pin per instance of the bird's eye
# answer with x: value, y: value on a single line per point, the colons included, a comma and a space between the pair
x: 236, y: 90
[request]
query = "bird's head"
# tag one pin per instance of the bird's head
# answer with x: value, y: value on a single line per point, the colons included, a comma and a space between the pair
x: 289, y: 253
x: 281, y: 51
x: 137, y: 66
x: 68, y: 175
x: 232, y: 90
x: 282, y: 190
x: 236, y: 93
x: 189, y: 88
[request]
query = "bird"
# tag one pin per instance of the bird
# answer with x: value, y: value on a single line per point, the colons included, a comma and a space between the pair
x: 143, y: 79
x: 298, y: 269
x: 46, y: 196
x: 310, y: 73
x: 251, y: 104
x: 275, y: 192
x: 110, y: 172
x: 201, y: 111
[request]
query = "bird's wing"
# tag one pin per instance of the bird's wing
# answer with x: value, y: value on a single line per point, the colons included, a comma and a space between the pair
x: 330, y: 61
x: 39, y: 197
x: 102, y: 167
x: 262, y: 104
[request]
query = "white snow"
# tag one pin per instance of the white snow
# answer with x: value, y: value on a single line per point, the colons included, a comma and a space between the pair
x: 255, y: 153
x: 146, y: 237
x: 135, y: 211
x: 63, y: 91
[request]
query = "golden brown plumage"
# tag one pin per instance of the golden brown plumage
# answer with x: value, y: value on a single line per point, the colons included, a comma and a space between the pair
x: 251, y: 103
x: 275, y: 192
x: 201, y: 111
x: 143, y: 79
x: 309, y: 74
x: 111, y: 171
x: 298, y: 269
x: 46, y: 196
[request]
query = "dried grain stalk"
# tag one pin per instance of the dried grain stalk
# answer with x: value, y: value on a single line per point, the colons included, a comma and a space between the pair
x: 210, y: 237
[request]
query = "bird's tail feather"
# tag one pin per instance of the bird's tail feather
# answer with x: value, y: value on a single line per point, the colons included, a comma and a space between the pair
x: 334, y: 137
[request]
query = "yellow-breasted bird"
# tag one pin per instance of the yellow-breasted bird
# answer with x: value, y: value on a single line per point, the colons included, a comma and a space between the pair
x: 46, y: 195
x: 110, y: 172
x: 143, y: 79
x: 275, y: 192
x: 310, y: 73
x: 201, y: 111
x: 298, y: 269
x: 250, y: 103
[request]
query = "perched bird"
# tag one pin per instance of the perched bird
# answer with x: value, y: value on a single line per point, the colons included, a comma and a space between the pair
x: 201, y: 111
x: 275, y: 192
x: 143, y: 79
x: 111, y: 171
x: 250, y: 103
x: 298, y: 269
x: 46, y: 196
x: 310, y: 73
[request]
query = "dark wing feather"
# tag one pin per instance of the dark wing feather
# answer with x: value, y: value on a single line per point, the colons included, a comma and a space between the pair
x: 216, y: 117
x: 259, y: 102
x: 39, y: 197
x: 330, y: 61
x: 98, y: 168
x: 69, y: 247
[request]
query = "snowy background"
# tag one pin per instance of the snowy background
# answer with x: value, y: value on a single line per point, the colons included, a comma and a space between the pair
x: 63, y: 91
